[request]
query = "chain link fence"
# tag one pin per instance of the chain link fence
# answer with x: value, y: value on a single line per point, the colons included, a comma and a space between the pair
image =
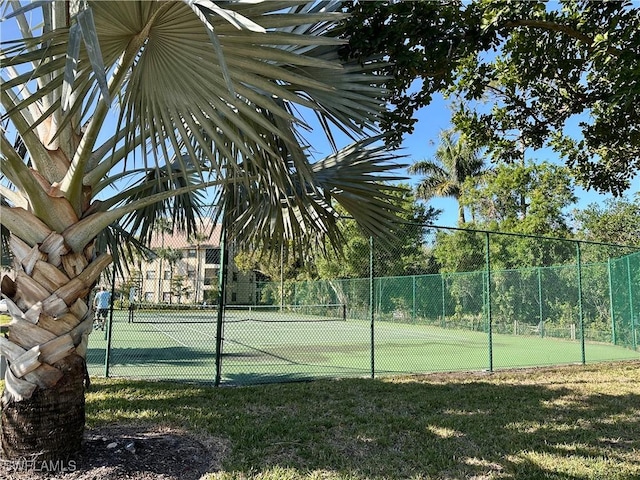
x: 437, y: 299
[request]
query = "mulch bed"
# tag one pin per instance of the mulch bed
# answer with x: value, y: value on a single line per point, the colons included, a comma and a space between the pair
x: 132, y: 452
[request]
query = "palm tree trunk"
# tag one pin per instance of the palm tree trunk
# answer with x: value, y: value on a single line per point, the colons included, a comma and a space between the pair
x: 50, y: 424
x: 43, y: 409
x: 461, y: 217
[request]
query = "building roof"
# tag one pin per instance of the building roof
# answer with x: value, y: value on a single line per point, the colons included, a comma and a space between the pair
x: 179, y: 240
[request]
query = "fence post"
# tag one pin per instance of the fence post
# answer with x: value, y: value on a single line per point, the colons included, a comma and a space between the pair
x: 107, y: 353
x: 634, y: 340
x: 222, y: 281
x: 611, y: 309
x: 540, y: 301
x: 371, y: 304
x: 413, y: 306
x: 580, y: 313
x: 282, y: 277
x: 488, y: 300
x: 444, y: 308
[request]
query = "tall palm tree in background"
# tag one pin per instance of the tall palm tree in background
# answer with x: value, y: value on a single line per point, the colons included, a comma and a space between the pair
x: 162, y: 226
x: 197, y: 239
x: 172, y: 257
x: 206, y: 95
x: 454, y: 161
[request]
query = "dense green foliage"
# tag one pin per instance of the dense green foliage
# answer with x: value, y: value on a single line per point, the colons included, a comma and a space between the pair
x: 617, y: 221
x: 522, y: 74
x: 522, y: 198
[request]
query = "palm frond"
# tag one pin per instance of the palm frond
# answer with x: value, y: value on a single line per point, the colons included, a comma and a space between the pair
x: 125, y: 248
x: 185, y: 210
x: 453, y: 162
x: 357, y: 177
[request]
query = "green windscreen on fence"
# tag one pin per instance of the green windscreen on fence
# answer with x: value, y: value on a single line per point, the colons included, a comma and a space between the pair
x: 624, y: 275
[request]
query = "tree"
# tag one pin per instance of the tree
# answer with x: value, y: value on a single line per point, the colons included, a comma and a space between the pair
x: 180, y: 287
x: 526, y: 75
x: 616, y: 221
x: 425, y: 42
x: 198, y: 239
x: 207, y: 98
x: 172, y: 256
x: 162, y: 226
x: 529, y: 199
x: 454, y: 162
x: 404, y: 255
x: 276, y: 265
x: 280, y: 266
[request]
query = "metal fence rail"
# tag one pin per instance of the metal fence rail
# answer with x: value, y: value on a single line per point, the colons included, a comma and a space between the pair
x: 455, y: 300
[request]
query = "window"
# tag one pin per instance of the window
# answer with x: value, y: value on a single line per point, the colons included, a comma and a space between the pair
x: 167, y: 275
x: 211, y: 276
x: 234, y: 277
x: 192, y: 253
x: 191, y: 273
x: 234, y: 297
x: 166, y: 297
x: 151, y: 274
x: 212, y: 256
x: 148, y: 296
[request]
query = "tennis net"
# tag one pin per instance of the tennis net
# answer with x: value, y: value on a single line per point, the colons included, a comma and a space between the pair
x: 148, y: 313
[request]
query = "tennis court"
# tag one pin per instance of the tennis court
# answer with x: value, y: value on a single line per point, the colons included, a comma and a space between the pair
x: 263, y: 345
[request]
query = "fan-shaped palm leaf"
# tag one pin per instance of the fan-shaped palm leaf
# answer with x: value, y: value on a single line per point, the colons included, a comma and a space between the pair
x: 351, y: 177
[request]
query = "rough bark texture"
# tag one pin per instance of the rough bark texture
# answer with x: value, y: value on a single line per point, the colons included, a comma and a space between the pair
x: 50, y: 424
x: 43, y: 413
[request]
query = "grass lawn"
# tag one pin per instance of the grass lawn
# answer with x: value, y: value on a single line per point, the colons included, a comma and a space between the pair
x: 570, y: 422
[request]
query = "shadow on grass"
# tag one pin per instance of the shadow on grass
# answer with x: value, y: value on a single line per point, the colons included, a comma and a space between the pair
x: 378, y: 429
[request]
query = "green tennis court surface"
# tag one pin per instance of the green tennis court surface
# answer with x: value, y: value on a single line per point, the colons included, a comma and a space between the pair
x: 261, y: 350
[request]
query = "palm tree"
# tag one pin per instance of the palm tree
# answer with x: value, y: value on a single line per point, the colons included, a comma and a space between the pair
x: 161, y: 227
x: 207, y: 96
x: 198, y: 239
x: 454, y: 161
x: 172, y: 256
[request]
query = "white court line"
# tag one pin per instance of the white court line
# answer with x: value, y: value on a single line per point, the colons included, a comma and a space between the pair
x: 172, y: 337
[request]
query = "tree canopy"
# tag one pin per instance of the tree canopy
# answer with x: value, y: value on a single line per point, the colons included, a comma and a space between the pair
x: 529, y: 199
x: 523, y: 75
x: 616, y: 221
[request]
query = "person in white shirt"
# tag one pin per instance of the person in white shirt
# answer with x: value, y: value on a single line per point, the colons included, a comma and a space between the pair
x: 101, y: 304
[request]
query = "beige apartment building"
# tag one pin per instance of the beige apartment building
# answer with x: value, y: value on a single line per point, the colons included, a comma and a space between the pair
x: 187, y: 271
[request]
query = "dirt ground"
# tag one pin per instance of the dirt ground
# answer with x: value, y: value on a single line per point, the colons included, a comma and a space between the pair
x: 132, y: 453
